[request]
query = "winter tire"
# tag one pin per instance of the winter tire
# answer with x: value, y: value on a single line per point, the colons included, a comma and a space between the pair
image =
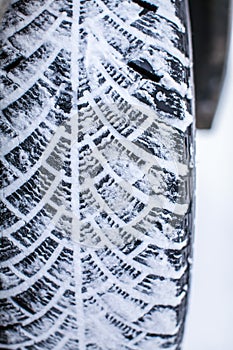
x: 97, y: 174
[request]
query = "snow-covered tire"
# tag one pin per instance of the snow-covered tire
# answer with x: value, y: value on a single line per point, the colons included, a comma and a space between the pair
x: 97, y: 174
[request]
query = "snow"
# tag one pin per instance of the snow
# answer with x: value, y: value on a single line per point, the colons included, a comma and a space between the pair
x: 3, y: 7
x: 209, y: 324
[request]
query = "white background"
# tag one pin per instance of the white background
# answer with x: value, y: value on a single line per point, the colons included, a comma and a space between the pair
x: 210, y: 318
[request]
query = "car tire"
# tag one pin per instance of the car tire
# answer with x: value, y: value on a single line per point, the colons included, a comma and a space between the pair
x: 97, y: 186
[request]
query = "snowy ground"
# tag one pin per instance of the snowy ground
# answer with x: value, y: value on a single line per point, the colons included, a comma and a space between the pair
x: 210, y: 318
